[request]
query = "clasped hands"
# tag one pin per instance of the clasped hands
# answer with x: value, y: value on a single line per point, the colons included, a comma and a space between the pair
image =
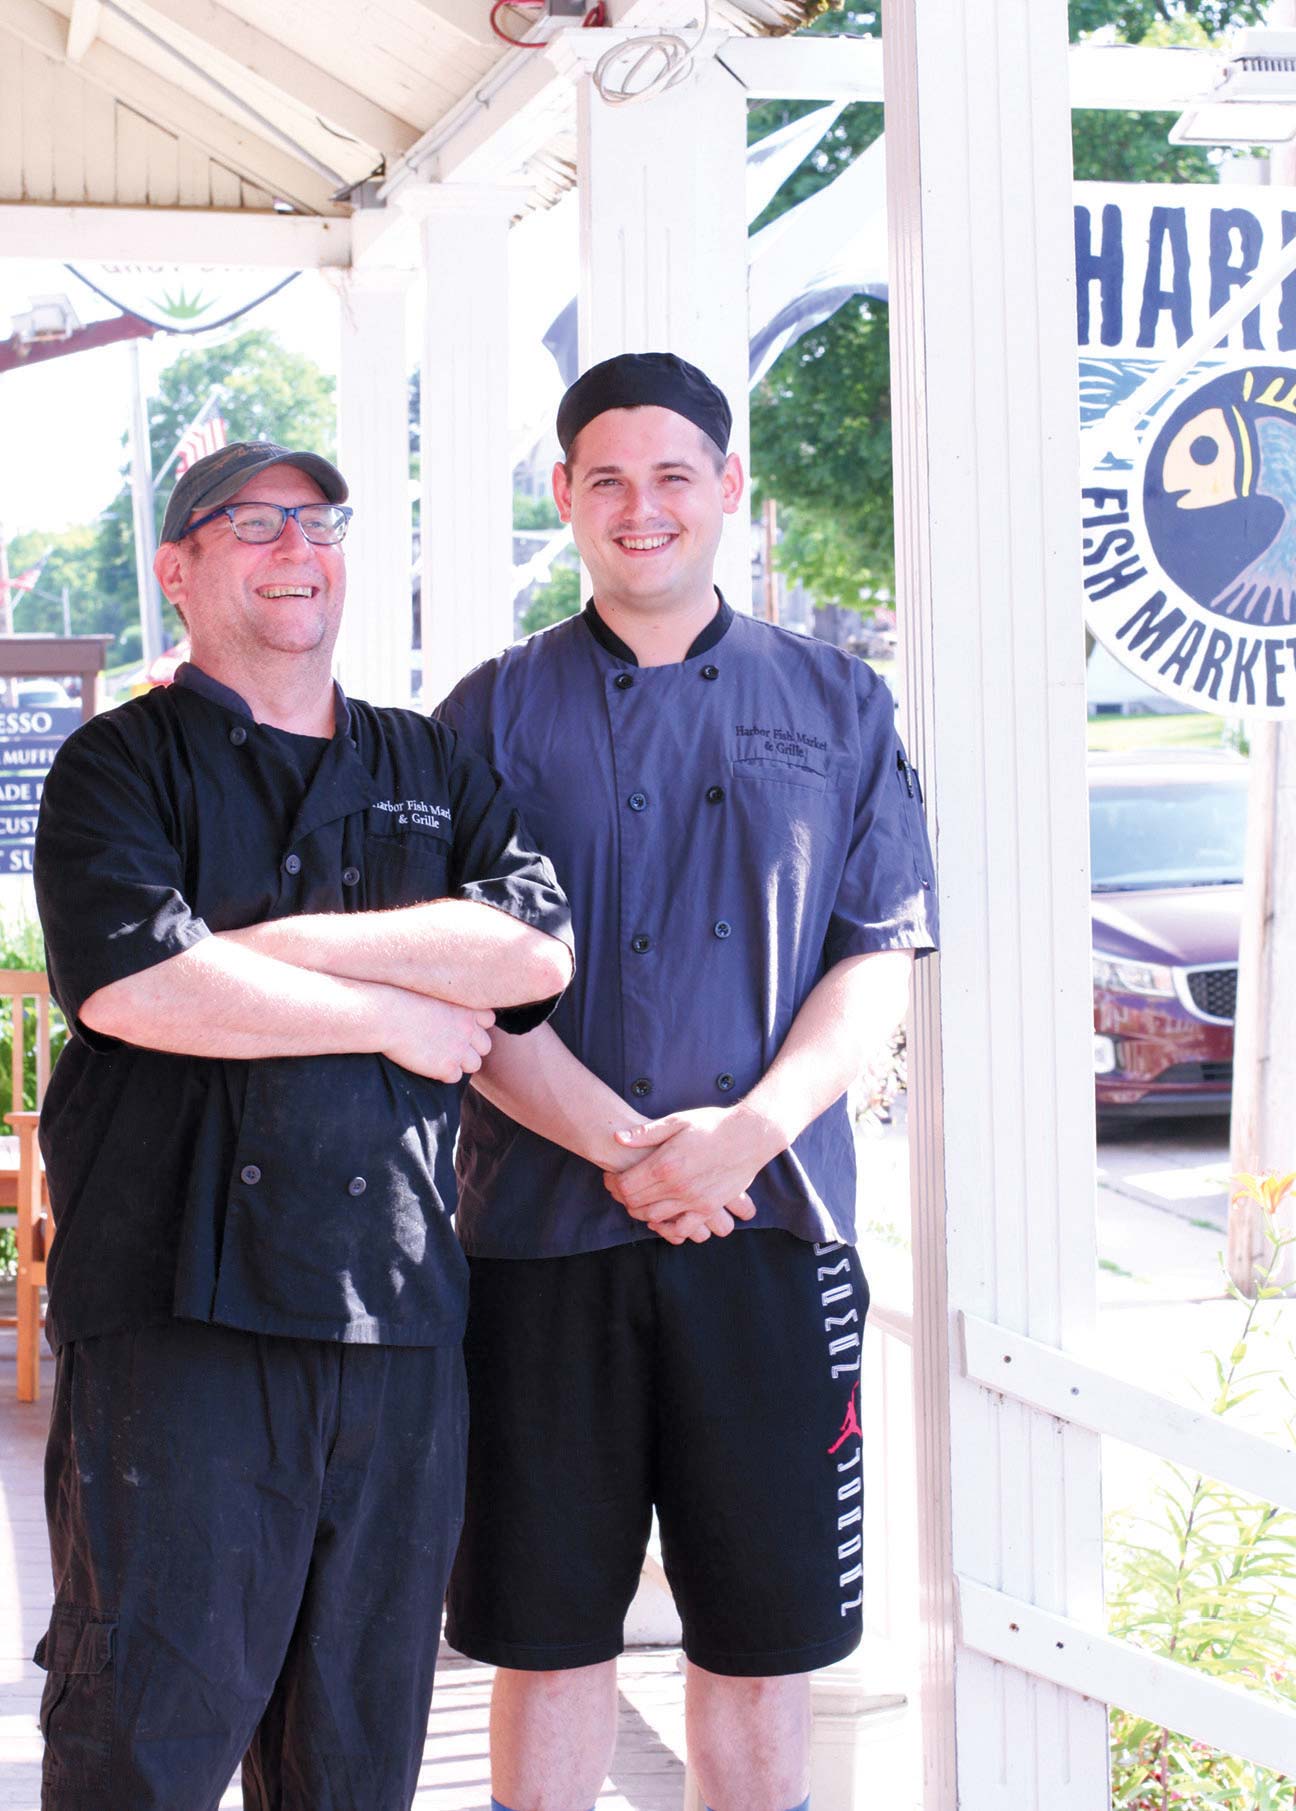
x: 697, y: 1166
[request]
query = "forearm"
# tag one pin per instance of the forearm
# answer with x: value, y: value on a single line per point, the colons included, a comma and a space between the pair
x: 846, y: 1017
x: 697, y: 1161
x: 219, y: 1000
x: 452, y: 949
x: 537, y: 1081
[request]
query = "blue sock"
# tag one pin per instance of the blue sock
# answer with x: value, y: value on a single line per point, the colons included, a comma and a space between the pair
x: 496, y: 1806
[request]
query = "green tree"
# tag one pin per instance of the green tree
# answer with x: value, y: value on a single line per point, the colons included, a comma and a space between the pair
x: 821, y: 444
x: 552, y: 602
x: 821, y: 418
x: 534, y: 512
x: 70, y: 560
x: 266, y: 393
x: 1137, y: 21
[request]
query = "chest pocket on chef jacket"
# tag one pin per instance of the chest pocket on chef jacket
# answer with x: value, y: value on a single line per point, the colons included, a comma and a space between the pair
x: 774, y: 768
x: 405, y: 867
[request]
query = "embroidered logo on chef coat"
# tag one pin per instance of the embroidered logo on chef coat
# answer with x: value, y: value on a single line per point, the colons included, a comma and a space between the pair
x: 395, y: 816
x: 780, y: 743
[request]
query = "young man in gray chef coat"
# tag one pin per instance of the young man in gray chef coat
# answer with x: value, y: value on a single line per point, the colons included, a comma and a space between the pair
x: 741, y: 836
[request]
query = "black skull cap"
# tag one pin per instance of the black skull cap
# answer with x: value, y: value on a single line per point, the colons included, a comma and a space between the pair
x: 632, y: 380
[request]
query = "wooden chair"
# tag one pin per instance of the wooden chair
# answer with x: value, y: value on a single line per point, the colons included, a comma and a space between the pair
x: 22, y: 1176
x: 35, y: 1230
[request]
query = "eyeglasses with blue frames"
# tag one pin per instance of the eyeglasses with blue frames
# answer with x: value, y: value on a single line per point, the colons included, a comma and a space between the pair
x: 324, y: 524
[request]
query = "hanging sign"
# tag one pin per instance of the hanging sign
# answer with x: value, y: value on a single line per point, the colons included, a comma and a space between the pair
x: 182, y: 298
x: 1189, y: 512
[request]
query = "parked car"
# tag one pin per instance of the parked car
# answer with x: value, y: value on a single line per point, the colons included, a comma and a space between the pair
x: 44, y: 694
x: 1167, y: 835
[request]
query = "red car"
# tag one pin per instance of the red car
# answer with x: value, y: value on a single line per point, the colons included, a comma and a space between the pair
x: 1167, y: 834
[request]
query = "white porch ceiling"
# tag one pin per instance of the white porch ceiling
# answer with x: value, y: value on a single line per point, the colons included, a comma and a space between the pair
x: 265, y: 105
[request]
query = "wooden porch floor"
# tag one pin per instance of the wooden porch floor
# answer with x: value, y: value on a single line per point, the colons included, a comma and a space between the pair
x: 648, y: 1774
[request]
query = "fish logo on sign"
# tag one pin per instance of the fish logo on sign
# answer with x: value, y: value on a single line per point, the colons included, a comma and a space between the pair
x: 1190, y: 558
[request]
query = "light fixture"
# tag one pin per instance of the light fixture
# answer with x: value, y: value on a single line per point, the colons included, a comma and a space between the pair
x: 49, y: 318
x: 1254, y: 100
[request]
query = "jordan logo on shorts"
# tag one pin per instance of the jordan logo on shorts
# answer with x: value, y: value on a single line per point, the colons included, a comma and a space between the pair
x: 842, y: 1328
x: 850, y: 1425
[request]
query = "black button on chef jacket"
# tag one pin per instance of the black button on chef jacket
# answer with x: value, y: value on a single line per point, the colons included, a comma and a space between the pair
x: 727, y: 828
x: 306, y: 1196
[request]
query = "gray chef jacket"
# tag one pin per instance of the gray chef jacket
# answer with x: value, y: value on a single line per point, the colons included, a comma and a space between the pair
x: 307, y: 1196
x: 727, y: 829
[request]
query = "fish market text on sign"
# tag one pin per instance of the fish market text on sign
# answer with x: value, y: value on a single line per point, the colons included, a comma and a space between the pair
x: 1189, y: 546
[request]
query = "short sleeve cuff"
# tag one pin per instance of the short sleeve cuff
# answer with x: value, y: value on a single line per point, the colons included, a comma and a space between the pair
x: 917, y: 931
x: 543, y: 909
x: 130, y: 952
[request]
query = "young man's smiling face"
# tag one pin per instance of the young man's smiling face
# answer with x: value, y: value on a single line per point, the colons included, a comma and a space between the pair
x: 242, y: 601
x: 646, y: 498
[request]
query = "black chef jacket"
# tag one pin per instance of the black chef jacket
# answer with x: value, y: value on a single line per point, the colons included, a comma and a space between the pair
x: 307, y: 1196
x: 728, y: 827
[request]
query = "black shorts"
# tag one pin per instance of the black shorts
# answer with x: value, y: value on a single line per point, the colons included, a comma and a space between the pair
x: 717, y: 1383
x: 250, y: 1538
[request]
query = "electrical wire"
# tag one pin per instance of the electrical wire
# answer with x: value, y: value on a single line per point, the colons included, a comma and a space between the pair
x: 515, y: 6
x: 643, y: 66
x: 597, y: 15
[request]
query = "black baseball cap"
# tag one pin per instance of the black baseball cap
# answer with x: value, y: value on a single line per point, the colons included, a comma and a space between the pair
x: 633, y: 379
x: 218, y: 476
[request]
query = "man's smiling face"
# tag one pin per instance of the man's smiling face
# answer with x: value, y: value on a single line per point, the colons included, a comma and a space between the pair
x: 647, y: 496
x: 242, y: 602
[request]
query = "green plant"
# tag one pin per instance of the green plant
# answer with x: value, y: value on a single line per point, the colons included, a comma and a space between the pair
x: 22, y: 946
x: 1205, y: 1581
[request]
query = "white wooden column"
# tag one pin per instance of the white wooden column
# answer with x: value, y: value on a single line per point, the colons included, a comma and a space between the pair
x: 987, y: 461
x: 662, y: 185
x: 374, y: 651
x: 467, y: 472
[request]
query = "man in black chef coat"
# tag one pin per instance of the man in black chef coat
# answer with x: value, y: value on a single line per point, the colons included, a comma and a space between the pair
x: 283, y: 925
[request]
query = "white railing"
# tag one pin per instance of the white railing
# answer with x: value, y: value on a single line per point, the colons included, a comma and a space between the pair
x: 1082, y: 1659
x: 1005, y: 1628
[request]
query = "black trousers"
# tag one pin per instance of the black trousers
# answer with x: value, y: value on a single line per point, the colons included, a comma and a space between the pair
x: 250, y: 1540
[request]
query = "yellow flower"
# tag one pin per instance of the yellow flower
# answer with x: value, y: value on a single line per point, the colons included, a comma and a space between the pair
x: 1268, y: 1190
